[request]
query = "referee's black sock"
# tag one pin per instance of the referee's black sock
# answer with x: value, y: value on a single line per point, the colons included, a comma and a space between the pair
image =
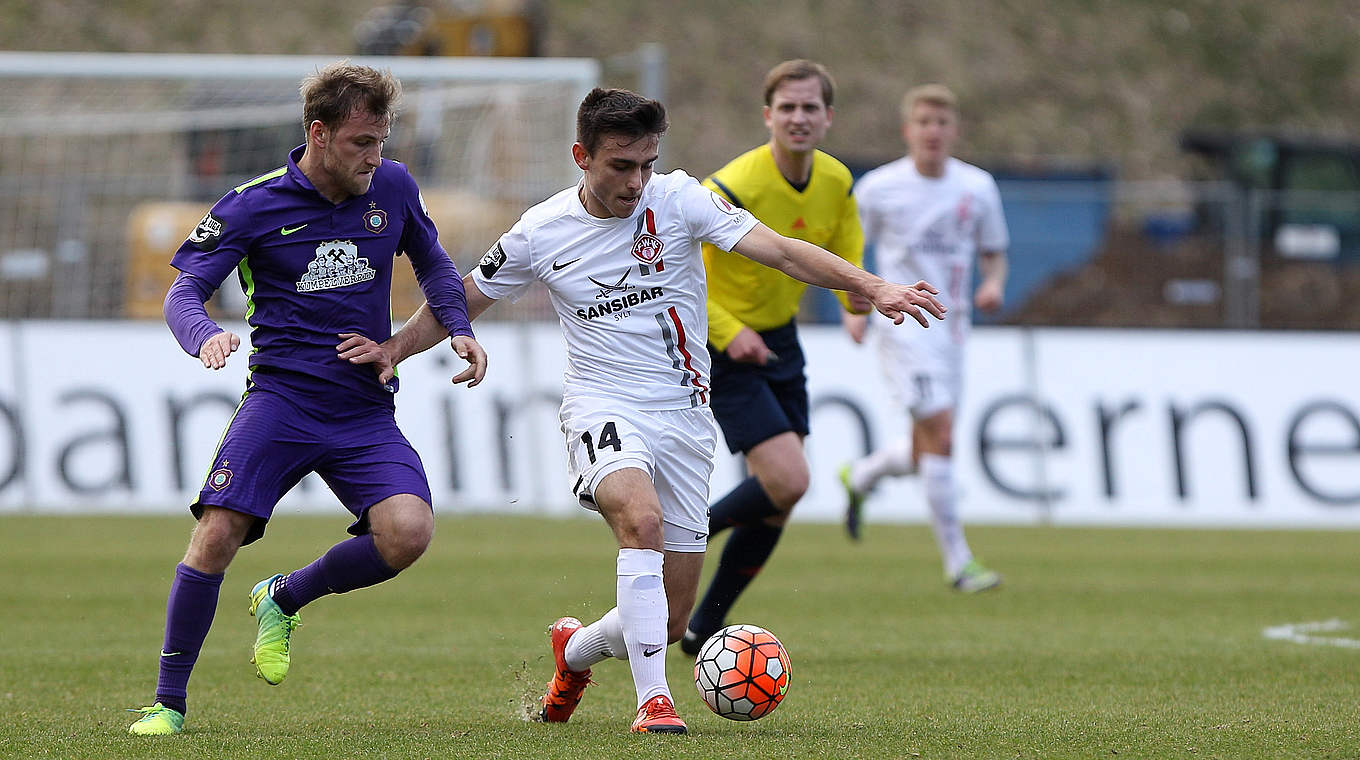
x: 746, y: 504
x: 745, y: 554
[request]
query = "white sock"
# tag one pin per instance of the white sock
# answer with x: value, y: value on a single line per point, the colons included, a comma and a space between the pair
x: 893, y: 459
x: 643, y: 612
x: 598, y: 641
x: 937, y: 472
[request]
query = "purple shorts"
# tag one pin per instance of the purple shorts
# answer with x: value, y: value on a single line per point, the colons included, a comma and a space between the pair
x: 274, y: 440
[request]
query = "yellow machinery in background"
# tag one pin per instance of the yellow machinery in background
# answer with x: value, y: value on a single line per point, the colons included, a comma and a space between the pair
x: 452, y: 27
x: 467, y: 223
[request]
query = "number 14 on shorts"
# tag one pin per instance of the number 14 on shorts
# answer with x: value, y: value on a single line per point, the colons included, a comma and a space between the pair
x: 608, y: 438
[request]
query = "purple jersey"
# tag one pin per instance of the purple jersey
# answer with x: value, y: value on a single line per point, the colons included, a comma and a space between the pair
x: 312, y: 269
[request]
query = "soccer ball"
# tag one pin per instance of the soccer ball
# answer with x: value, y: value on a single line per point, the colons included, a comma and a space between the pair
x: 742, y: 672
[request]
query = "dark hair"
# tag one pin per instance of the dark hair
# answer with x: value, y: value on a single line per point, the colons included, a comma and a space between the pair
x: 617, y: 112
x: 332, y: 94
x: 800, y: 69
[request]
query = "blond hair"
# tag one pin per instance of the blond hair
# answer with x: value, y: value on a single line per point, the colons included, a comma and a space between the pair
x: 933, y: 94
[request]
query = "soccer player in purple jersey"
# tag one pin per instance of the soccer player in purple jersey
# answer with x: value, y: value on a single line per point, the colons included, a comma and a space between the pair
x: 313, y: 244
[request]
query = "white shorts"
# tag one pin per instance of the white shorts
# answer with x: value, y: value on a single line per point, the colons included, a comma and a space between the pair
x: 925, y: 374
x: 674, y: 447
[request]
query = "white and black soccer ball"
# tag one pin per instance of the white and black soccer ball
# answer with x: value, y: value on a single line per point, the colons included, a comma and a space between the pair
x: 742, y: 672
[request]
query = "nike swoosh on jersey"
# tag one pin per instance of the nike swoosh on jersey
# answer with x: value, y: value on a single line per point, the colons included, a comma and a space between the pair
x: 286, y: 231
x: 557, y: 266
x: 649, y: 653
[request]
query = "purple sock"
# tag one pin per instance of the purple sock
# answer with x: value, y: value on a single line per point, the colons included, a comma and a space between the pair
x: 188, y: 616
x: 350, y: 564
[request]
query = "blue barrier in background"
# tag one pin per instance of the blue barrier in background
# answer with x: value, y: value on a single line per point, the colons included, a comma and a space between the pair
x: 1057, y: 222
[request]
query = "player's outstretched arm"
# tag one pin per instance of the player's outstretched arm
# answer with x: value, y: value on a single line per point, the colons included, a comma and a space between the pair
x: 896, y: 302
x: 815, y: 266
x: 420, y: 333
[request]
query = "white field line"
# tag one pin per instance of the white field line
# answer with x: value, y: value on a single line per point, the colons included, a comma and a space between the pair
x: 1299, y: 633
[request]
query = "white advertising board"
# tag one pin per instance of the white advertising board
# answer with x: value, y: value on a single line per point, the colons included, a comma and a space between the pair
x: 1073, y: 426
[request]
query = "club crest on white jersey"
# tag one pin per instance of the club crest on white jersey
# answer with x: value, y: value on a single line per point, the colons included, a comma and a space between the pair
x: 629, y: 292
x: 647, y: 246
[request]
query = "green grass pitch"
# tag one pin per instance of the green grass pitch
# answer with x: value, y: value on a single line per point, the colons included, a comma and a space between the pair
x: 1102, y: 644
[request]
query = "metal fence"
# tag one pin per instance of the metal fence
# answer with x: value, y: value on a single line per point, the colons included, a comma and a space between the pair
x: 1095, y: 253
x: 1180, y: 254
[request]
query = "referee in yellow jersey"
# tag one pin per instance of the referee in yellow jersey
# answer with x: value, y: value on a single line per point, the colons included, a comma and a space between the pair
x: 759, y: 390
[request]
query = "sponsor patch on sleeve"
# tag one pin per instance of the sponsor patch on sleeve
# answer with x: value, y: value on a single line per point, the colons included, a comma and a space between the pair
x: 208, y: 233
x: 724, y: 205
x: 492, y: 261
x: 739, y: 217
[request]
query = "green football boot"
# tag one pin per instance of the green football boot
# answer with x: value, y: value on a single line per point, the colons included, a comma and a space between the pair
x: 274, y: 635
x: 157, y: 720
x: 854, y: 502
x: 975, y: 577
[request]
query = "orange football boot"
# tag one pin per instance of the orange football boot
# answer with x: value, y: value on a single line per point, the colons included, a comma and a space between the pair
x: 657, y: 716
x: 567, y: 685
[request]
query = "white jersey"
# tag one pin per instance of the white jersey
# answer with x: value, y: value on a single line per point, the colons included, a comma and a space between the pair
x: 630, y: 293
x: 931, y: 228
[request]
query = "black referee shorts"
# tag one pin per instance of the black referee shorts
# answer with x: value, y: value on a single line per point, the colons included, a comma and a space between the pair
x: 753, y: 403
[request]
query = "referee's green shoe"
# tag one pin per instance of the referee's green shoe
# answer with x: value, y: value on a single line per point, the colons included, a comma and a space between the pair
x: 273, y: 636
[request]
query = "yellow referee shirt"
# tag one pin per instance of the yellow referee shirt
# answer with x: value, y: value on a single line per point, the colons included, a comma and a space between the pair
x: 744, y: 293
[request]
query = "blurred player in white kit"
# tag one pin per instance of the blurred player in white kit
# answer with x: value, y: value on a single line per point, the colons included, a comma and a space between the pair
x: 929, y: 216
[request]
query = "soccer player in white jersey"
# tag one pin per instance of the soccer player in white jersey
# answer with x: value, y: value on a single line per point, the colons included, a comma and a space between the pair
x: 928, y: 215
x: 620, y: 256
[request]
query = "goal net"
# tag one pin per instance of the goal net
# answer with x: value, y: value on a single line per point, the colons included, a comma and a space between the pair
x: 107, y: 161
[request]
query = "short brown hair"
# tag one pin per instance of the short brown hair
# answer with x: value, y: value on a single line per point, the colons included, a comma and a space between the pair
x: 617, y: 112
x: 934, y: 94
x: 798, y: 69
x: 331, y: 94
